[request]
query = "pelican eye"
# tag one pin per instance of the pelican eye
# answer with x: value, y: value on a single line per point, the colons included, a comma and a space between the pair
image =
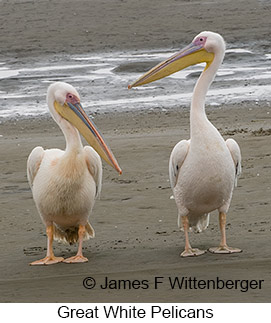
x: 72, y: 98
x: 201, y: 39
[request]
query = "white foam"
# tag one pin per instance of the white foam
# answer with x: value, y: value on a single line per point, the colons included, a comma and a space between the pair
x: 57, y: 68
x: 103, y: 71
x: 238, y: 51
x: 6, y: 73
x: 87, y: 58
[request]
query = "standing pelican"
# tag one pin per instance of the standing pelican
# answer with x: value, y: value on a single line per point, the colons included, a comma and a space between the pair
x: 65, y: 183
x: 202, y: 170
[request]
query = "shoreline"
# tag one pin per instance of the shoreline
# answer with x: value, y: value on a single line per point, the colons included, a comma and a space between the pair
x: 98, y: 113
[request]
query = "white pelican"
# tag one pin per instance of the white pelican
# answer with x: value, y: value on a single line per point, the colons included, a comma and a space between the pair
x: 65, y: 183
x: 202, y: 170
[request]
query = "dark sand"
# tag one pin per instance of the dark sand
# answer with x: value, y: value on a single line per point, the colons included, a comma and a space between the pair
x: 135, y: 221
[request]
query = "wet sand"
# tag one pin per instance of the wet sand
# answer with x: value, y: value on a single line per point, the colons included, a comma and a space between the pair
x: 31, y: 28
x: 135, y: 221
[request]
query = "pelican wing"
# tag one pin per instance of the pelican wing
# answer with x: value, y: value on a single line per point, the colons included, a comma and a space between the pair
x: 236, y: 156
x: 94, y: 165
x: 33, y: 163
x: 176, y: 160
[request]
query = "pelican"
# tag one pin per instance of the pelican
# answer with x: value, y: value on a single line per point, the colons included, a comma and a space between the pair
x: 65, y: 183
x: 204, y: 169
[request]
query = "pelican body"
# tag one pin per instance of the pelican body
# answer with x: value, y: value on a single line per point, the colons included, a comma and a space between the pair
x: 202, y: 170
x: 65, y: 183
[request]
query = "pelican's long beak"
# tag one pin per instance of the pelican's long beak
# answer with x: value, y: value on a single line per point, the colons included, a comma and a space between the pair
x: 76, y: 115
x: 190, y: 55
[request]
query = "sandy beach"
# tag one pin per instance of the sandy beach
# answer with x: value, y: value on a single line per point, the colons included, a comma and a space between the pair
x: 135, y: 220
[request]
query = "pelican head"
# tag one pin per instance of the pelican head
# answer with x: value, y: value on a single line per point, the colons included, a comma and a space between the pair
x: 203, y: 49
x: 64, y: 103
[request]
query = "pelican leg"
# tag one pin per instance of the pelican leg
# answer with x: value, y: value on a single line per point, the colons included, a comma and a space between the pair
x: 189, y: 251
x: 50, y: 258
x: 223, y: 247
x: 79, y: 256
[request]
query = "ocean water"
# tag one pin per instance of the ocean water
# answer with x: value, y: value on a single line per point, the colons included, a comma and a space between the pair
x: 102, y: 80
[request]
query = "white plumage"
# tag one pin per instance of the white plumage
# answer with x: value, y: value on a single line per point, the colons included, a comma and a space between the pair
x: 204, y: 169
x: 65, y: 183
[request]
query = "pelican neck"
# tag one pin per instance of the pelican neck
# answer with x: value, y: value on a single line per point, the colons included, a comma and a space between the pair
x: 72, y: 136
x: 198, y: 118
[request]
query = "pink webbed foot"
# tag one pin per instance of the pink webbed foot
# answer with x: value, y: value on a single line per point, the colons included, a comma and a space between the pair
x: 192, y: 252
x: 76, y: 259
x: 48, y: 260
x: 224, y: 249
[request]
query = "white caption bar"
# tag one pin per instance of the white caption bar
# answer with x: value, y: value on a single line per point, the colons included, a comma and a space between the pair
x: 134, y: 312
